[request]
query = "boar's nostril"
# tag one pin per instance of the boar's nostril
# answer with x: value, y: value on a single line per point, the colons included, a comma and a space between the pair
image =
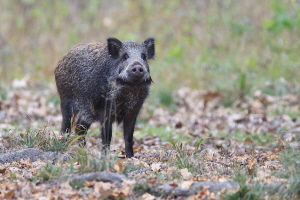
x: 137, y: 70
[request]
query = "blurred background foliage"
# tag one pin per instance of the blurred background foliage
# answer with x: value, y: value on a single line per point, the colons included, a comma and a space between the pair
x: 233, y: 46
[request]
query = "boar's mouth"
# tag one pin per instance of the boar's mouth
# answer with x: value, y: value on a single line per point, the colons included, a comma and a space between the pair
x: 134, y: 82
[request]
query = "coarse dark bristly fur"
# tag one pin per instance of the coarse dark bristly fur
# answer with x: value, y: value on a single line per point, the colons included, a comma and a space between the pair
x: 104, y: 83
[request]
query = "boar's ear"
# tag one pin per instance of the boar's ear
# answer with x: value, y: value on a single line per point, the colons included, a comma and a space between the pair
x: 149, y: 43
x: 114, y: 45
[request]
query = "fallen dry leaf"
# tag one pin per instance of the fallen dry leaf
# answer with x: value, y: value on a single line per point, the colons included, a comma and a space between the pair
x: 173, y: 185
x: 2, y: 170
x: 147, y: 196
x: 124, y: 191
x: 89, y: 184
x: 9, y: 195
x: 129, y: 182
x: 102, y: 187
x: 156, y: 166
x: 152, y: 181
x: 203, y: 194
x: 186, y: 184
x: 248, y: 141
x: 186, y: 175
x: 256, y: 106
x: 119, y: 166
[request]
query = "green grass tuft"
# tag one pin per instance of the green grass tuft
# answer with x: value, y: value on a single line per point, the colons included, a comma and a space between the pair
x: 245, y: 191
x: 290, y: 160
x: 92, y: 163
x: 50, y: 171
x: 31, y: 139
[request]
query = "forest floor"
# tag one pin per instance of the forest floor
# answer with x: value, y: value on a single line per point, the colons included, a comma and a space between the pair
x: 198, y: 148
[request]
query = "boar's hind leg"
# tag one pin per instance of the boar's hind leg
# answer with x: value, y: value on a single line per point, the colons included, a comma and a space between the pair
x: 66, y: 110
x: 81, y: 129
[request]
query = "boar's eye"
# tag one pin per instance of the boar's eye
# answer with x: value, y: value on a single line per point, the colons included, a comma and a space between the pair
x: 143, y: 56
x: 125, y: 56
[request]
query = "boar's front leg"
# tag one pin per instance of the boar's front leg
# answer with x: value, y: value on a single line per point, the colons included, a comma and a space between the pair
x: 128, y: 125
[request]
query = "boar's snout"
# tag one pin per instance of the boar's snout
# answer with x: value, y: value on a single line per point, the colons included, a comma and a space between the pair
x: 136, y: 73
x: 137, y: 70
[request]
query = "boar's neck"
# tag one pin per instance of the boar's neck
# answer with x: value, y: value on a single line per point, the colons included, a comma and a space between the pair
x: 130, y: 98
